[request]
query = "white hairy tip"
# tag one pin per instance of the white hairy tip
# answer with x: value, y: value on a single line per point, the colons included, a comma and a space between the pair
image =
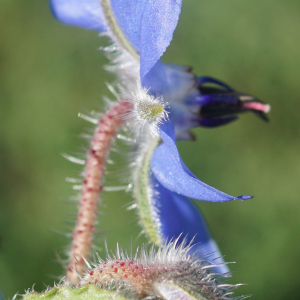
x: 148, y: 111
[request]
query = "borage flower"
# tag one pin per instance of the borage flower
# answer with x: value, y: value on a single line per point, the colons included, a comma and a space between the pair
x: 163, y: 182
x: 141, y: 30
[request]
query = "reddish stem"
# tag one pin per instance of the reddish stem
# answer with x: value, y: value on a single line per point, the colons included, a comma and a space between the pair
x: 92, y: 187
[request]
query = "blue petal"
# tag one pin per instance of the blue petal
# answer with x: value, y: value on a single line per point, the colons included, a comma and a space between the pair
x: 149, y: 26
x: 171, y: 172
x: 156, y: 81
x: 179, y: 217
x: 82, y: 13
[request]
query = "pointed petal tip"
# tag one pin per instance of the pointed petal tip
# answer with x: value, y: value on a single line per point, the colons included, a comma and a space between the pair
x: 244, y: 197
x: 172, y: 173
x: 86, y: 14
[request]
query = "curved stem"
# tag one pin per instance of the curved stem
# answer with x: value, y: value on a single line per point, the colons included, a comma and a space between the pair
x: 92, y: 187
x: 143, y: 193
x: 115, y: 29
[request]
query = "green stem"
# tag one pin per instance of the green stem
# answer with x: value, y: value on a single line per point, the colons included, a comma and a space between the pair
x: 115, y: 29
x: 143, y: 194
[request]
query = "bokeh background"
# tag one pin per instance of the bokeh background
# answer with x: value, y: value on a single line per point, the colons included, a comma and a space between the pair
x: 50, y: 72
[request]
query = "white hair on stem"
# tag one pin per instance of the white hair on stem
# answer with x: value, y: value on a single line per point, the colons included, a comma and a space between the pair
x: 148, y: 111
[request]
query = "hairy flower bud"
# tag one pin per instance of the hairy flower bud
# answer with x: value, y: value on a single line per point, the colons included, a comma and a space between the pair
x: 168, y: 272
x: 164, y: 273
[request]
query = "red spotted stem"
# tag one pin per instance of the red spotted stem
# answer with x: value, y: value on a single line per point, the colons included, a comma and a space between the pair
x: 92, y: 186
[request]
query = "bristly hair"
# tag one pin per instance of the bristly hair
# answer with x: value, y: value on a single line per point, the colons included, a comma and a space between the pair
x: 148, y: 111
x: 168, y: 272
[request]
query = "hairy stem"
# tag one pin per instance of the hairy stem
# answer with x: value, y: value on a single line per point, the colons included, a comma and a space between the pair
x: 92, y: 187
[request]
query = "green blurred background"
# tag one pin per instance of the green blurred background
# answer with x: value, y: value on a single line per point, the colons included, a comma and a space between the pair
x: 50, y: 72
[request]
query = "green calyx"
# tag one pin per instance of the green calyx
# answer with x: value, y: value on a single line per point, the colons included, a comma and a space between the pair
x: 153, y: 111
x: 70, y: 293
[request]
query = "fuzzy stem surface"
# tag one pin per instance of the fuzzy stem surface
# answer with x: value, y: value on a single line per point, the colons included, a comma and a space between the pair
x: 92, y: 186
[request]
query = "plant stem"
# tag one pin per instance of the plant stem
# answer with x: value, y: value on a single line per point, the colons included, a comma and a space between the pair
x: 117, y: 33
x: 92, y: 186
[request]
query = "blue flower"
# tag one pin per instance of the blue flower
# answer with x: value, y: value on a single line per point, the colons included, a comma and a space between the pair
x: 205, y: 102
x: 148, y: 26
x: 193, y: 103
